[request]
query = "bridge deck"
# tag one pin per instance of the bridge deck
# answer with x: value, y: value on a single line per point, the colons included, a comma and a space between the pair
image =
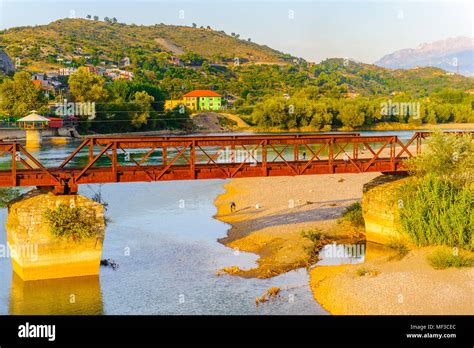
x: 132, y: 159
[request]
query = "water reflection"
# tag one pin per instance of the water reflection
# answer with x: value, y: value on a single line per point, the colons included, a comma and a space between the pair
x: 78, y: 295
x: 342, y: 254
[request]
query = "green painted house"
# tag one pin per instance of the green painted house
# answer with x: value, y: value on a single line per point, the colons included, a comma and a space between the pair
x: 204, y: 99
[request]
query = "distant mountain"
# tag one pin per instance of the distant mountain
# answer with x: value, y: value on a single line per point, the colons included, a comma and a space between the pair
x: 452, y: 54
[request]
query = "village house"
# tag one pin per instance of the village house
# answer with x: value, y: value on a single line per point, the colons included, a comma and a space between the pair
x: 200, y: 99
x: 176, y: 61
x: 67, y: 71
x: 117, y: 74
x: 52, y: 74
x: 47, y: 86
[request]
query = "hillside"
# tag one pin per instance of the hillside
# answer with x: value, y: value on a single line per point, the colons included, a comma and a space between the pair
x: 369, y: 79
x: 452, y: 54
x: 87, y: 41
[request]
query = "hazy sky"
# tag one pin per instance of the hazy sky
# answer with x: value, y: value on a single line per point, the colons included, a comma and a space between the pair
x: 312, y: 29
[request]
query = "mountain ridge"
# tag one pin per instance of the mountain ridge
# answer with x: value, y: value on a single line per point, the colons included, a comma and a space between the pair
x: 455, y: 54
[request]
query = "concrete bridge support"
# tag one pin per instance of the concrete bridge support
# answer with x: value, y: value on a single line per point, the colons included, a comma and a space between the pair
x: 379, y: 209
x: 36, y: 253
x: 34, y: 138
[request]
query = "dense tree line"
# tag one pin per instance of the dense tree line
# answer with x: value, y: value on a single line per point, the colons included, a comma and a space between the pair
x: 309, y: 108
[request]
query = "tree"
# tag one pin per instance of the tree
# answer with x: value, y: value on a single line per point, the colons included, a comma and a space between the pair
x: 350, y: 115
x: 194, y: 25
x: 86, y: 86
x: 118, y: 91
x: 19, y: 96
x: 142, y: 108
x: 431, y: 116
x: 462, y: 113
x: 192, y: 58
x: 178, y: 118
x: 88, y: 16
x: 96, y: 18
x: 106, y: 19
x: 271, y: 112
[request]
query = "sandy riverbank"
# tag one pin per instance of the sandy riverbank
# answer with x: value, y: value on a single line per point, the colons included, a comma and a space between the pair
x: 288, y: 205
x: 407, y: 287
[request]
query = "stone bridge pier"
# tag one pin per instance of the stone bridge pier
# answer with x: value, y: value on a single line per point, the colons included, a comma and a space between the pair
x: 36, y: 253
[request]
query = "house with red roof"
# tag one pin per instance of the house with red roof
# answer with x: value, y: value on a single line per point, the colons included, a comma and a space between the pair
x: 199, y: 99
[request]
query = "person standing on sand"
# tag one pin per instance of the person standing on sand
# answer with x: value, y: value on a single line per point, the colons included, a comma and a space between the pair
x: 232, y: 206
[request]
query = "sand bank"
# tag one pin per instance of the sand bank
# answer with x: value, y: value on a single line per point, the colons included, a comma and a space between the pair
x: 286, y: 206
x: 272, y: 212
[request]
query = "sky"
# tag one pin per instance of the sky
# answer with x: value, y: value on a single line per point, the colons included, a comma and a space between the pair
x: 312, y: 29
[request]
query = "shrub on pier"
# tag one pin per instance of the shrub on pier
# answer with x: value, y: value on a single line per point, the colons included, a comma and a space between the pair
x: 437, y: 205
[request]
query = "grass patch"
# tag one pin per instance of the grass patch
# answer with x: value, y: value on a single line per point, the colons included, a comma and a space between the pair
x: 445, y: 258
x: 364, y: 271
x: 353, y: 215
x: 318, y: 239
x: 400, y: 247
x: 436, y: 212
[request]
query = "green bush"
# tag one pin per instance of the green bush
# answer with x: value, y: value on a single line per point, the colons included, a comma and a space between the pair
x: 71, y: 223
x: 442, y: 258
x: 436, y: 212
x: 353, y: 215
x: 448, y: 156
x: 7, y: 194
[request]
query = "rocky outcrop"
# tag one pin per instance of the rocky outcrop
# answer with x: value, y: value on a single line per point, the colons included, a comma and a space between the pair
x: 36, y: 253
x: 379, y: 208
x: 6, y: 64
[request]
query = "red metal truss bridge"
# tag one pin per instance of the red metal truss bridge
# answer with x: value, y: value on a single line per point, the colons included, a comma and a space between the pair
x: 134, y: 159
